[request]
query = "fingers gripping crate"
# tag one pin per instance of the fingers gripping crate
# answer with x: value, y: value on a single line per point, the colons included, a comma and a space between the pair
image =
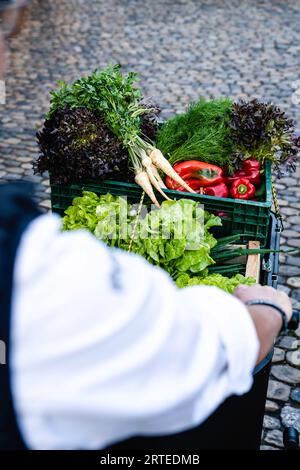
x: 250, y: 218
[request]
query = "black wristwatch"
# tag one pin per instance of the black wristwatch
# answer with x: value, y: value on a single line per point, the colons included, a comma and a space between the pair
x: 285, y: 323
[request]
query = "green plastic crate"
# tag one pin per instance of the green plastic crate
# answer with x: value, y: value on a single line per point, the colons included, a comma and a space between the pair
x: 251, y: 218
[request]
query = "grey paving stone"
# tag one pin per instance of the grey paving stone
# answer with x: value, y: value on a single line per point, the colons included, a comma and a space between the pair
x: 288, y: 270
x: 274, y: 437
x: 278, y: 390
x: 271, y: 423
x: 296, y: 304
x: 291, y: 417
x: 264, y: 447
x: 284, y: 288
x: 293, y: 260
x: 289, y: 210
x: 282, y: 202
x: 271, y: 406
x: 295, y: 219
x: 291, y: 233
x: 286, y: 373
x: 278, y: 355
x: 294, y: 282
x: 295, y: 395
x: 293, y: 358
x: 288, y: 342
x: 294, y: 242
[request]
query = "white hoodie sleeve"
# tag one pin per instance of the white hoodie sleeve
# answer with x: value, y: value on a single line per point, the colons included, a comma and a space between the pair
x: 105, y: 346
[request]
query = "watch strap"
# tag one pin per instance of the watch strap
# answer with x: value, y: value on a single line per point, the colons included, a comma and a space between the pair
x: 267, y: 303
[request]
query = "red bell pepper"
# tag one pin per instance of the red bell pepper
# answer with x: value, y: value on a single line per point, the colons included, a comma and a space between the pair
x: 250, y: 170
x: 206, y: 173
x: 251, y: 164
x: 193, y: 183
x: 219, y: 190
x: 242, y: 189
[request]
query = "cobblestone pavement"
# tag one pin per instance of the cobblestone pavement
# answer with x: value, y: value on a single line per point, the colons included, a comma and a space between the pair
x: 182, y: 49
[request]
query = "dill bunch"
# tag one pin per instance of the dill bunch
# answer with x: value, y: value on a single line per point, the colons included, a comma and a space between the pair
x: 201, y: 133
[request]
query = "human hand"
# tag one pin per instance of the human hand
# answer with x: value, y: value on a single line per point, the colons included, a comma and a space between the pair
x: 266, y: 319
x: 258, y: 292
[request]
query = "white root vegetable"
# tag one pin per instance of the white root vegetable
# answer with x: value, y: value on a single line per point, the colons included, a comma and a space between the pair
x: 142, y: 179
x: 157, y: 176
x: 155, y: 183
x: 147, y: 163
x: 162, y: 163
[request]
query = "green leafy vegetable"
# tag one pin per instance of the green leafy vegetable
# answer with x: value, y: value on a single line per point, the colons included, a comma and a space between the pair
x: 77, y: 145
x: 217, y: 280
x: 82, y: 213
x: 114, y: 95
x: 108, y: 91
x: 177, y: 237
x: 226, y: 133
x: 262, y: 131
